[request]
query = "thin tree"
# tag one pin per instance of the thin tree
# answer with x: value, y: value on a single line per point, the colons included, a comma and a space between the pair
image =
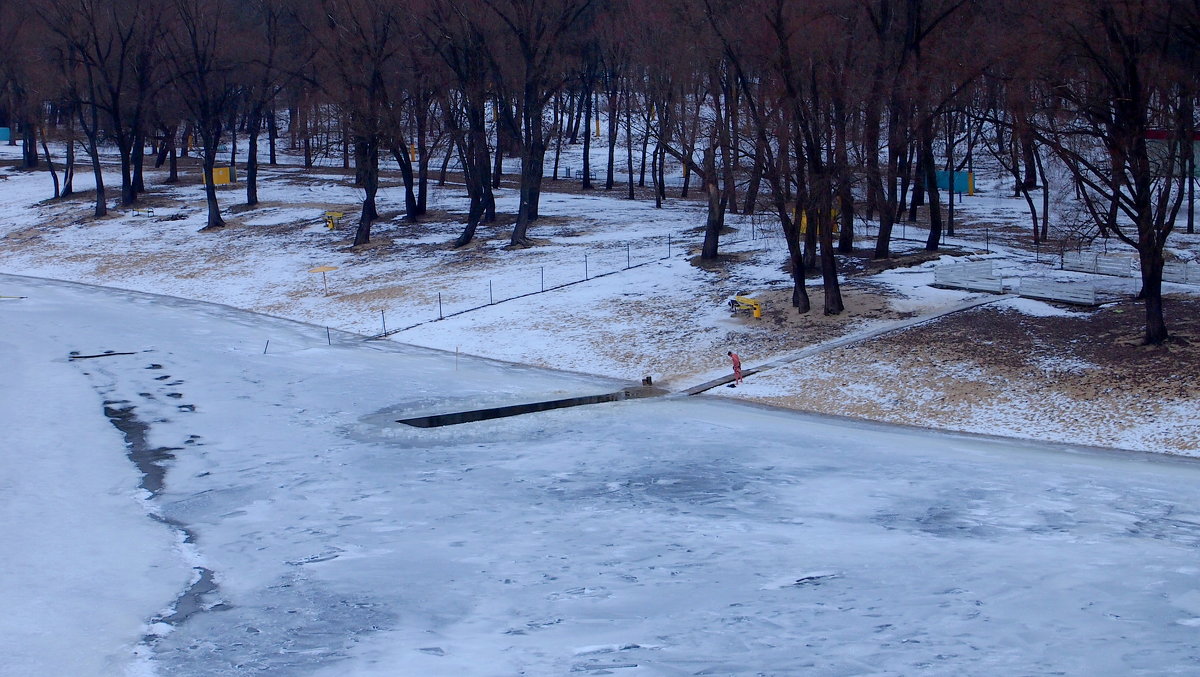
x: 196, y: 47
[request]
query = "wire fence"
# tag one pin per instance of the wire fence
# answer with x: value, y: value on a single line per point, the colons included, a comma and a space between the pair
x: 592, y: 266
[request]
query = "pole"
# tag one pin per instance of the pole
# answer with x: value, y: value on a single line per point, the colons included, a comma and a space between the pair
x: 627, y: 255
x: 384, y: 317
x: 439, y: 305
x: 585, y: 270
x: 543, y: 278
x: 490, y: 300
x: 328, y: 338
x: 668, y: 246
x: 324, y: 283
x: 265, y: 347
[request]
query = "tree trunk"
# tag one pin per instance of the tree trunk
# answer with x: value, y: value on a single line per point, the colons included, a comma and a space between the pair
x: 273, y: 135
x: 1151, y: 263
x: 29, y: 151
x: 371, y: 187
x: 92, y: 133
x: 533, y: 159
x: 888, y: 213
x: 422, y: 157
x: 498, y: 159
x: 139, y: 162
x: 558, y: 134
x: 400, y: 151
x: 254, y: 128
x: 654, y: 180
x: 917, y: 174
x: 629, y: 138
x: 50, y: 165
x: 128, y: 195
x: 587, y: 137
x: 712, y: 225
x: 173, y: 166
x: 929, y: 178
x: 829, y: 274
x: 753, y: 185
x: 68, y: 187
x: 613, y: 120
x: 215, y: 221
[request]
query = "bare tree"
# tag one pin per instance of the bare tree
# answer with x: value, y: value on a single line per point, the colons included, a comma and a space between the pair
x: 1113, y: 87
x: 360, y: 42
x: 454, y: 33
x: 114, y: 43
x: 533, y: 32
x: 274, y: 54
x: 205, y: 73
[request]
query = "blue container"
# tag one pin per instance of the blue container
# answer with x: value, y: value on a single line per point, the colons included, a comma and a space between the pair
x: 5, y: 134
x: 964, y: 182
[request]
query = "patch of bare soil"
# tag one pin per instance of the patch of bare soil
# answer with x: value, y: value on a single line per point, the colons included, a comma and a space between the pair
x: 1086, y: 377
x: 783, y: 329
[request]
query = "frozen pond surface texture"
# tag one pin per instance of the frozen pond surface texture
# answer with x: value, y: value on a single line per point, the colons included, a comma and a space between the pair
x: 641, y: 537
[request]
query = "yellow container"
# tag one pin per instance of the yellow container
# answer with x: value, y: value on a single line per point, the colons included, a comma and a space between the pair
x: 223, y: 175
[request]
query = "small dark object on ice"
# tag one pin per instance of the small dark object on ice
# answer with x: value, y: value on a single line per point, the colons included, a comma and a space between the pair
x: 731, y: 385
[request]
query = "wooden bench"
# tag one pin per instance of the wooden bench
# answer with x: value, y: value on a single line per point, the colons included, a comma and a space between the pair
x: 972, y: 276
x: 1065, y: 292
x: 143, y: 211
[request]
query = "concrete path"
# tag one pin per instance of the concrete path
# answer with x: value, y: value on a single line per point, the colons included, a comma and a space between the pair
x: 838, y: 343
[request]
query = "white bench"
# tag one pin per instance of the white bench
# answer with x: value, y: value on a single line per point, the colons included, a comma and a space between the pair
x: 1100, y: 264
x: 1182, y: 273
x: 1079, y: 262
x: 1066, y: 292
x: 1118, y: 265
x: 972, y: 276
x: 1175, y: 272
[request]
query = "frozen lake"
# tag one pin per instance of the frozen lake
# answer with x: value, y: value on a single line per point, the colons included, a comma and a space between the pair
x: 306, y: 533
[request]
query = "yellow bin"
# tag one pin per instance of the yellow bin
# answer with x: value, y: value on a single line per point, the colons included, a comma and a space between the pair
x: 223, y: 175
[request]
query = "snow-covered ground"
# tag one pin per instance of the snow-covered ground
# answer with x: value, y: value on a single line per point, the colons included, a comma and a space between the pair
x: 646, y: 537
x: 298, y: 529
x: 623, y: 296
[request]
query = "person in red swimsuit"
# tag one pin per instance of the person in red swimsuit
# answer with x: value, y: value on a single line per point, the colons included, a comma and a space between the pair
x: 737, y: 367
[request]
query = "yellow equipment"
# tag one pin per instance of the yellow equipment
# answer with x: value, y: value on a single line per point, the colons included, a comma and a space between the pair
x: 745, y: 303
x: 221, y: 176
x: 331, y: 219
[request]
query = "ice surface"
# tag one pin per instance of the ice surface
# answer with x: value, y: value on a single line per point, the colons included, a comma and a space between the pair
x: 647, y: 537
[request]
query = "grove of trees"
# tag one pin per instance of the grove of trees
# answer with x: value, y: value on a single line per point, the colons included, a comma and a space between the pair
x: 810, y: 111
